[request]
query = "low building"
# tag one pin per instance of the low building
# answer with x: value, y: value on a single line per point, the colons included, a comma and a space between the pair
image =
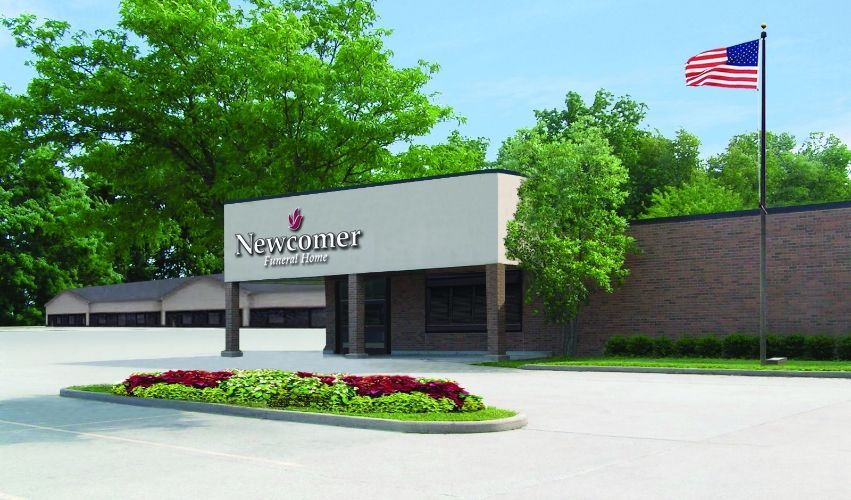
x: 420, y: 266
x: 197, y: 301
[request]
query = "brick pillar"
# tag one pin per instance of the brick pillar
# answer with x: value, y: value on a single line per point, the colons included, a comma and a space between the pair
x: 232, y: 321
x: 495, y: 299
x: 357, y: 315
x: 330, y: 316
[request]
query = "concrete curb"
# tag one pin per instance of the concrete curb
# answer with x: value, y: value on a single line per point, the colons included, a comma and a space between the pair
x: 378, y: 424
x: 689, y: 371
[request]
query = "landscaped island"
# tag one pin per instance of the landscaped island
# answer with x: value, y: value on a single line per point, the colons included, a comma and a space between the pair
x: 398, y: 397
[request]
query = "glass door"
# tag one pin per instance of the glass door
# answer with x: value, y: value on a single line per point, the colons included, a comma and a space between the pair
x: 377, y: 318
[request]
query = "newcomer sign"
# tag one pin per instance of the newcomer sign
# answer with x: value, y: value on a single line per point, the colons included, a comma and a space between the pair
x: 431, y: 223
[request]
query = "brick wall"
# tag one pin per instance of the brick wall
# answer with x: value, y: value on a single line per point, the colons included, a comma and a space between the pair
x: 701, y: 276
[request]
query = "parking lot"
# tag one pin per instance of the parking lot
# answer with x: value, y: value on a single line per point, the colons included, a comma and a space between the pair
x: 590, y: 435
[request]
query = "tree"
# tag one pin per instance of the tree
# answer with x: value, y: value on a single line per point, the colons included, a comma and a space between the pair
x: 566, y: 232
x: 814, y: 172
x: 701, y: 195
x: 652, y: 160
x: 46, y: 245
x: 188, y: 103
x: 457, y: 154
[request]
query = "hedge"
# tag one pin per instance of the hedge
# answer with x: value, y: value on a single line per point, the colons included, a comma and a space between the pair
x: 737, y: 345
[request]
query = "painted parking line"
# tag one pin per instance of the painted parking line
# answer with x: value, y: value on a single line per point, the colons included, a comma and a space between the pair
x: 198, y: 451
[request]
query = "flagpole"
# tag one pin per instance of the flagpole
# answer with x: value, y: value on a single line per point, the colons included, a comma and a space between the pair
x: 763, y: 283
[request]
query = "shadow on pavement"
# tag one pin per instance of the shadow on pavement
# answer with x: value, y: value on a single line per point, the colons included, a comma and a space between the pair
x: 300, y: 360
x: 44, y: 419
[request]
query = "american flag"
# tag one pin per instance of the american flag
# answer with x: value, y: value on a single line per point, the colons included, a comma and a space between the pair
x: 732, y: 67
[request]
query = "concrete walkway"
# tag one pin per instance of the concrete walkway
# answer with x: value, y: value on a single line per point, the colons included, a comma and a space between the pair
x: 590, y: 435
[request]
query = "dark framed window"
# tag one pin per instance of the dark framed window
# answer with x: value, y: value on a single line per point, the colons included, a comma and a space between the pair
x: 210, y: 318
x: 458, y: 302
x: 125, y: 319
x: 289, y: 317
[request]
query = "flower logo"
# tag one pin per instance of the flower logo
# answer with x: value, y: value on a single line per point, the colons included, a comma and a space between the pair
x: 295, y: 219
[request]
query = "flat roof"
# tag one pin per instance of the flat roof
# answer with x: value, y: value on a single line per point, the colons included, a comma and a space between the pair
x: 375, y: 184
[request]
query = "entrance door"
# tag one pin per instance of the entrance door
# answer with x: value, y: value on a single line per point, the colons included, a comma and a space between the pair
x: 377, y: 320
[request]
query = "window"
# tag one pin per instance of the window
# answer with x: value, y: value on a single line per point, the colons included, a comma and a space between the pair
x: 458, y: 302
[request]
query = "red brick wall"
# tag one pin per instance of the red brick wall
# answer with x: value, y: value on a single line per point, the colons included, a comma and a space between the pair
x: 701, y: 277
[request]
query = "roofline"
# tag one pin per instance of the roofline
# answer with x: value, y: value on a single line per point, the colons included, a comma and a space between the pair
x: 376, y: 184
x: 71, y: 291
x: 745, y: 213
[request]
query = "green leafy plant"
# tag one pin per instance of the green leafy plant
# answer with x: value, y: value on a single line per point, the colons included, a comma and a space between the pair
x: 820, y: 347
x: 708, y: 347
x: 663, y: 347
x: 640, y: 346
x: 685, y: 347
x: 741, y: 346
x: 616, y: 345
x: 843, y: 348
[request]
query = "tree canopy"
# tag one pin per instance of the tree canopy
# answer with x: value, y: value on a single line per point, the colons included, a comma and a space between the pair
x: 188, y: 103
x: 651, y: 159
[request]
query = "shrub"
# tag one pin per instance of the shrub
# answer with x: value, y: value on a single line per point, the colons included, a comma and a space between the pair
x: 616, y: 346
x: 640, y: 346
x: 179, y: 391
x: 820, y: 347
x: 400, y: 402
x: 775, y: 346
x: 685, y: 347
x: 793, y: 346
x: 740, y: 345
x: 663, y: 347
x: 843, y: 348
x: 708, y: 347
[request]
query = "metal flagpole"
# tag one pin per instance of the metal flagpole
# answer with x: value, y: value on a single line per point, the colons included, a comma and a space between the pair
x: 763, y: 284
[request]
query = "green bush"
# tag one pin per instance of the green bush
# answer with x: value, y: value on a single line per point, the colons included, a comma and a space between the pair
x: 843, y: 348
x: 793, y: 347
x: 181, y: 392
x: 819, y: 347
x: 617, y: 345
x: 640, y: 346
x: 775, y: 345
x: 663, y: 347
x: 741, y: 346
x: 709, y: 347
x: 685, y: 347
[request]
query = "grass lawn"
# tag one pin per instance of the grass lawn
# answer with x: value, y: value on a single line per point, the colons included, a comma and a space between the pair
x: 730, y: 364
x: 489, y: 413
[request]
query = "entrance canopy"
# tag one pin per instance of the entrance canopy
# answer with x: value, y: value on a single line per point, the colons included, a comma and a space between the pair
x: 438, y: 222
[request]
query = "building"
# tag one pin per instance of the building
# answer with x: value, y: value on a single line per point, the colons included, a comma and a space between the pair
x: 189, y: 302
x: 420, y: 266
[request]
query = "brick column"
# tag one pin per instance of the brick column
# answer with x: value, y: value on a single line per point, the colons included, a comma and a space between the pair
x: 357, y: 315
x: 330, y: 316
x: 232, y: 321
x: 495, y: 301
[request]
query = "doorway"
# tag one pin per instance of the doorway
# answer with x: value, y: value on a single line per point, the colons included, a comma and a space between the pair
x: 377, y: 318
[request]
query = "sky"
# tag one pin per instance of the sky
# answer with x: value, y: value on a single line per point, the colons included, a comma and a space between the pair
x: 500, y: 60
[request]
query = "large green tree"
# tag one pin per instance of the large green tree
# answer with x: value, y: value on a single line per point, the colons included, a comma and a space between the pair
x: 812, y: 172
x: 701, y: 195
x: 46, y: 243
x: 651, y: 159
x: 567, y: 232
x: 188, y: 103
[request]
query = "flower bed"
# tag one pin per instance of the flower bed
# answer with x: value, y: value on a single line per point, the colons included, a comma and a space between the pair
x: 333, y: 393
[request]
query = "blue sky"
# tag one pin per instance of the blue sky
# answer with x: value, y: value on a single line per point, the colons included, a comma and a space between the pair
x: 502, y: 59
